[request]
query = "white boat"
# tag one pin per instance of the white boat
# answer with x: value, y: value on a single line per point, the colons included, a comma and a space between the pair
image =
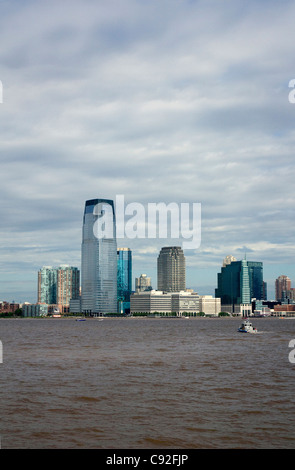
x: 247, y: 327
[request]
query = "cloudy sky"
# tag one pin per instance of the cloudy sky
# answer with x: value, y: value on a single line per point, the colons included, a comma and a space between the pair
x: 160, y: 101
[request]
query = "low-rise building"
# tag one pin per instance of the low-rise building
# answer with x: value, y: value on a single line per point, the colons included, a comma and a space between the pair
x: 179, y: 303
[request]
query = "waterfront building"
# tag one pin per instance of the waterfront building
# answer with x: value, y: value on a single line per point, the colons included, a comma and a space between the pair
x: 282, y: 284
x: 209, y: 305
x: 8, y: 307
x: 75, y: 305
x: 238, y: 283
x: 34, y: 310
x: 57, y: 286
x: 143, y: 283
x: 47, y: 277
x: 185, y: 302
x: 150, y: 302
x: 124, y: 279
x: 99, y: 258
x: 171, y: 269
x: 67, y: 286
x: 176, y: 303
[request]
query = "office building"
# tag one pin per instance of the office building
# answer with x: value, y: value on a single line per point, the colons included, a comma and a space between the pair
x: 181, y: 303
x: 143, y: 283
x: 171, y: 269
x: 124, y: 279
x: 99, y: 258
x: 150, y: 302
x: 184, y: 302
x: 209, y: 305
x: 238, y: 283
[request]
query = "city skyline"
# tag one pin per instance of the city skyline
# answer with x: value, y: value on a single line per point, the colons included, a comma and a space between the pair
x: 159, y: 101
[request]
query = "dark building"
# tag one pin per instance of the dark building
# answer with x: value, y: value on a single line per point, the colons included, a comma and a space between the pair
x: 239, y: 282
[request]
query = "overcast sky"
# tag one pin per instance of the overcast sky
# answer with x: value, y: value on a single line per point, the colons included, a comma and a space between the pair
x: 161, y: 101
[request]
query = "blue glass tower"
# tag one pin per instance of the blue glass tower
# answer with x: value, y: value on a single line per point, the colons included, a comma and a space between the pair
x: 239, y: 282
x: 124, y: 279
x: 99, y: 258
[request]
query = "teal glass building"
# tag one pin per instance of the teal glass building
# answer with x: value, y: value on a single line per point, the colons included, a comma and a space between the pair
x: 99, y: 258
x: 47, y: 285
x: 239, y: 282
x: 124, y: 279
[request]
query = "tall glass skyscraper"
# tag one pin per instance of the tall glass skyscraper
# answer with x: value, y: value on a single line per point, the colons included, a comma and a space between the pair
x: 99, y: 258
x: 124, y: 256
x: 239, y: 282
x: 47, y: 281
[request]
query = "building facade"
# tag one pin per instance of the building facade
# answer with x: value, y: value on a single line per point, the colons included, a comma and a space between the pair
x: 99, y: 258
x: 181, y: 303
x: 143, y: 283
x: 57, y: 286
x: 68, y: 285
x: 238, y: 283
x: 282, y: 285
x: 171, y: 269
x: 124, y: 279
x: 47, y: 278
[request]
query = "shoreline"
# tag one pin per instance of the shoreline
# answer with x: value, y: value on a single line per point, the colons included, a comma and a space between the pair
x: 71, y: 318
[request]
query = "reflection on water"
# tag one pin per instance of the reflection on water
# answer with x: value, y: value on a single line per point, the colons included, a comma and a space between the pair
x: 146, y: 383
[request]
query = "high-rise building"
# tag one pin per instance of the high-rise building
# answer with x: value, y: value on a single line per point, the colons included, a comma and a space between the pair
x: 57, y: 286
x: 67, y: 286
x: 143, y: 283
x: 238, y: 283
x: 171, y: 269
x: 282, y: 284
x: 99, y: 258
x: 124, y: 279
x: 47, y: 278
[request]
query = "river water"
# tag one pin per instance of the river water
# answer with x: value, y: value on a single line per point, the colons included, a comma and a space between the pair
x: 146, y: 384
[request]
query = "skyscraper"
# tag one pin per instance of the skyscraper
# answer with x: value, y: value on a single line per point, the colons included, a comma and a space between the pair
x: 124, y: 280
x: 67, y: 286
x: 282, y: 284
x: 47, y: 278
x: 171, y: 269
x: 99, y: 258
x: 57, y: 286
x: 239, y: 282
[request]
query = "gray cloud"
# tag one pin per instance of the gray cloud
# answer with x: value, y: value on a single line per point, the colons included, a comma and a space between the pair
x: 159, y: 101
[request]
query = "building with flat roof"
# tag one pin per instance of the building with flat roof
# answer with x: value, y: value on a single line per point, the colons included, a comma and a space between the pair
x: 177, y: 303
x: 238, y: 283
x: 171, y: 269
x: 143, y: 283
x: 58, y: 285
x: 124, y: 279
x: 282, y: 285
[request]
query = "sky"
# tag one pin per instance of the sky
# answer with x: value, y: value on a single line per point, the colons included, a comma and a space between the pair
x: 177, y: 101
